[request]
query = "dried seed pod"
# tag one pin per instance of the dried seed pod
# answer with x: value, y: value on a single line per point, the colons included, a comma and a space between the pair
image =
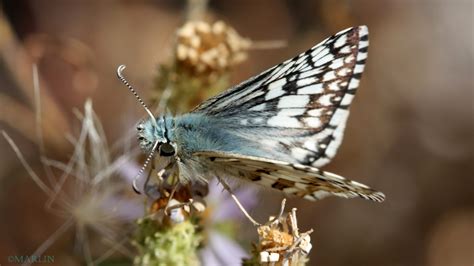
x: 281, y: 243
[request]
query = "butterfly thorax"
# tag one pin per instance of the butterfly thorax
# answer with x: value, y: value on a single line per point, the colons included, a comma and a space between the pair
x: 197, y: 133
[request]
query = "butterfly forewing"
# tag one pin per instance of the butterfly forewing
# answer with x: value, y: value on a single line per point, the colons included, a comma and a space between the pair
x: 298, y: 109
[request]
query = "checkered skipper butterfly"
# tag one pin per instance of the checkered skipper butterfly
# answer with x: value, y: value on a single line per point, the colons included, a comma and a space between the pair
x: 275, y: 129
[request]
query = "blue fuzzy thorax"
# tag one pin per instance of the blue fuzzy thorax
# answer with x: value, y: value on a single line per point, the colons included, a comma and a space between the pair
x: 196, y: 132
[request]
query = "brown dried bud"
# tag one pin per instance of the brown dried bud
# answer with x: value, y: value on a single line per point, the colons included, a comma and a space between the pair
x: 281, y: 243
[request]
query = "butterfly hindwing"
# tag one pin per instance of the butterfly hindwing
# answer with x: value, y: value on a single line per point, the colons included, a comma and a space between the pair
x: 294, y: 179
x: 300, y: 106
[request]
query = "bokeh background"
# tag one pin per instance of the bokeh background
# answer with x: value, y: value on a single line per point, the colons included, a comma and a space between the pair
x: 410, y: 133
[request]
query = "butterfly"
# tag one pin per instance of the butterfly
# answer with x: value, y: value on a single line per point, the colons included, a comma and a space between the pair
x: 276, y: 129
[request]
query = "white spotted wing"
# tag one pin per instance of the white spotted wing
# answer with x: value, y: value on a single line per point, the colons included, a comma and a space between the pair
x: 298, y: 109
x: 295, y: 114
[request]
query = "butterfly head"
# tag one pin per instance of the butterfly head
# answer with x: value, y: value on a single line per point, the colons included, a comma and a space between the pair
x: 153, y: 134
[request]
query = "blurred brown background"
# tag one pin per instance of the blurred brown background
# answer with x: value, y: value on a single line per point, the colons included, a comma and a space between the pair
x: 410, y: 133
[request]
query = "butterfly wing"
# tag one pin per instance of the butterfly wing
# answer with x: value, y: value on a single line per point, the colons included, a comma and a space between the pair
x: 295, y: 179
x: 298, y: 108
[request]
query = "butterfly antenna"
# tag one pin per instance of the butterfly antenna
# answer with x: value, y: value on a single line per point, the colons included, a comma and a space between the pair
x: 152, y: 153
x: 147, y: 161
x: 122, y: 78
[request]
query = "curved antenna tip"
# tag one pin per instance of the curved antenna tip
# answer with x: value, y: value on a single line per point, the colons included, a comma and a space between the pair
x: 135, y: 187
x: 120, y: 69
x: 122, y: 78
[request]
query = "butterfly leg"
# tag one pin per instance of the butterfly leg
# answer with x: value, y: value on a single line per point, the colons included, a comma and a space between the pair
x: 154, y: 190
x: 241, y: 207
x: 149, y: 189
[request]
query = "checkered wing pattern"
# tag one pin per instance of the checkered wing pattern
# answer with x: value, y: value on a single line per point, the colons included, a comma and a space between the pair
x: 294, y: 179
x: 298, y: 108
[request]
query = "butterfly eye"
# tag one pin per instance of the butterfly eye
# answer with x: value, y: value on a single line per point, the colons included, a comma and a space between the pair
x: 166, y: 150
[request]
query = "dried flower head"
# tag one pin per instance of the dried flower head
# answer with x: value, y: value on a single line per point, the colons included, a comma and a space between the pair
x: 204, y: 47
x: 281, y: 243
